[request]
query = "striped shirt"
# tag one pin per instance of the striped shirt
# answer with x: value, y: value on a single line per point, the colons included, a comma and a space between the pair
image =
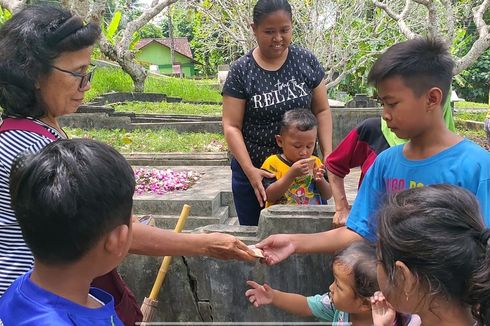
x: 15, y: 257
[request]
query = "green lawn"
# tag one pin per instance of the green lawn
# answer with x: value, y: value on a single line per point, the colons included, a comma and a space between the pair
x: 107, y: 80
x: 187, y: 89
x: 153, y: 140
x: 169, y: 108
x: 115, y: 80
x: 474, y: 116
x: 470, y: 105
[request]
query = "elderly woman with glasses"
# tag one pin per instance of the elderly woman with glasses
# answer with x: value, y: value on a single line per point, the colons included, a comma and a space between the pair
x: 45, y: 70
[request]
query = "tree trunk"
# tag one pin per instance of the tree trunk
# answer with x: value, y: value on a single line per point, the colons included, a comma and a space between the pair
x: 13, y: 5
x: 171, y: 36
x: 125, y: 59
x: 138, y: 78
x: 447, y: 12
x: 79, y: 7
x: 137, y: 73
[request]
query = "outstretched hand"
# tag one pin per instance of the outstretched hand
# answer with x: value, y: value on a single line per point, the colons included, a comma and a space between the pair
x: 276, y: 248
x: 259, y: 295
x: 225, y: 246
x: 383, y: 312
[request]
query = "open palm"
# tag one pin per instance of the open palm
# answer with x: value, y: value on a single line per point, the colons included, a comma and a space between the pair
x: 259, y: 295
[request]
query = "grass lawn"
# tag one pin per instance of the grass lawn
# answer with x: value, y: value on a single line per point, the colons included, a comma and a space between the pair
x: 474, y: 116
x: 470, y: 105
x: 169, y: 108
x: 160, y: 141
x: 115, y: 80
x: 188, y: 89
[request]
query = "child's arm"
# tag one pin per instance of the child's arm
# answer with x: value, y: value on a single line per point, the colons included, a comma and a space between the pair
x: 352, y: 151
x: 277, y: 189
x: 340, y: 198
x: 322, y: 184
x: 153, y: 241
x: 293, y: 303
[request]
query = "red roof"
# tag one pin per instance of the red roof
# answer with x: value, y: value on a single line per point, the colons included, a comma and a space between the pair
x: 181, y: 45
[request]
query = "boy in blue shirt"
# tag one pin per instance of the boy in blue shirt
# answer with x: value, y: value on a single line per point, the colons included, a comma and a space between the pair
x: 73, y: 202
x: 413, y: 80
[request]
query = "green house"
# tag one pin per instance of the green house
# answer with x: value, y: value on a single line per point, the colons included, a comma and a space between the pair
x: 155, y: 54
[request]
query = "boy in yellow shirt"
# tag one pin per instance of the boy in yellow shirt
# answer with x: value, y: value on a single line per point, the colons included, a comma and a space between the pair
x: 299, y: 175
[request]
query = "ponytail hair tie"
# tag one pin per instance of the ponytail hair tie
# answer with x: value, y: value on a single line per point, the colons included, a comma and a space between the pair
x: 70, y: 26
x: 485, y: 237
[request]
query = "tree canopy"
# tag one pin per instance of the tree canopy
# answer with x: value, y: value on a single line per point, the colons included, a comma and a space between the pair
x: 346, y: 36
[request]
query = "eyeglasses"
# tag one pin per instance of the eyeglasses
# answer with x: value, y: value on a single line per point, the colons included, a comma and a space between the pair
x: 85, y: 78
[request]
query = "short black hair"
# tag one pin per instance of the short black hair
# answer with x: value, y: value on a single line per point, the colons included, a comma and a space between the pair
x: 360, y: 257
x: 301, y: 119
x: 438, y: 232
x: 422, y: 63
x: 70, y: 194
x: 265, y: 7
x: 29, y: 43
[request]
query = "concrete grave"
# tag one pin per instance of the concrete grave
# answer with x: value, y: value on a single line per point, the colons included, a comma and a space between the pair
x: 205, y: 289
x: 361, y: 101
x: 344, y: 119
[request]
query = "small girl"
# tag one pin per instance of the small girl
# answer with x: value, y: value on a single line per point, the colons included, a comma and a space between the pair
x: 434, y: 255
x: 348, y: 303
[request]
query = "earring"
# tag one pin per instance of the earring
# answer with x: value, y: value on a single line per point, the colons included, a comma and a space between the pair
x: 406, y: 295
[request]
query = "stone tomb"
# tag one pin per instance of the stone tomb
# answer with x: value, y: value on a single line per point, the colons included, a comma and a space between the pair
x: 202, y: 289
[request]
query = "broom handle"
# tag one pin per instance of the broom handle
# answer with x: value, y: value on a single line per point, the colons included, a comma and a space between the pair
x: 168, y: 259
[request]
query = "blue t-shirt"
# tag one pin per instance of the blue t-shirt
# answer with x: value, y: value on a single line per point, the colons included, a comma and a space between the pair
x: 269, y: 94
x: 465, y: 164
x: 25, y: 303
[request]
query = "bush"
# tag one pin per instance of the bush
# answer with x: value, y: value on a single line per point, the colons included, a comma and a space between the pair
x: 475, y: 86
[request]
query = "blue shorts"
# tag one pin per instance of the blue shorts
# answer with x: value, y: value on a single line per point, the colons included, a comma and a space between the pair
x: 246, y: 203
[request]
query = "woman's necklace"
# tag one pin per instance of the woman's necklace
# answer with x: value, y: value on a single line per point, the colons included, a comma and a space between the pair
x: 54, y: 126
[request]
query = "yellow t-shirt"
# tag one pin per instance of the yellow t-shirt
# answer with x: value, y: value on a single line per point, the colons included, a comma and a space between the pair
x: 303, y: 190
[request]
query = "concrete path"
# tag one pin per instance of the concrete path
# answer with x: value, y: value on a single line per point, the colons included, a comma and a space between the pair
x: 218, y: 179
